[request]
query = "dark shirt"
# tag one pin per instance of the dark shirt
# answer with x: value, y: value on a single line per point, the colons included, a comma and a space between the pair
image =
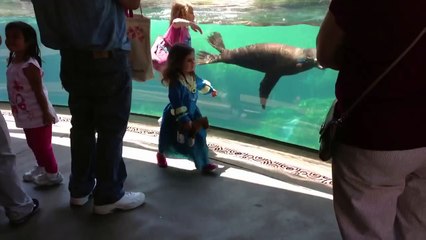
x: 393, y: 114
x: 82, y: 24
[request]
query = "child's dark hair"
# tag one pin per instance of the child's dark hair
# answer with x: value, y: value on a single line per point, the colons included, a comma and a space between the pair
x: 30, y: 38
x: 175, y: 61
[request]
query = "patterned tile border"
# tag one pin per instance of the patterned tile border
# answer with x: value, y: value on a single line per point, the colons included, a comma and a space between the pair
x: 271, y: 164
x: 258, y: 160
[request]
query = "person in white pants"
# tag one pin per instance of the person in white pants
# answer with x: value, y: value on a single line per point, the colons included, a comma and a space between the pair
x: 379, y: 160
x: 19, y: 207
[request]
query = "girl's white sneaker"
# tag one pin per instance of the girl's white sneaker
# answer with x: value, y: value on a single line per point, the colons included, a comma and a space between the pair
x: 31, y: 174
x: 48, y: 179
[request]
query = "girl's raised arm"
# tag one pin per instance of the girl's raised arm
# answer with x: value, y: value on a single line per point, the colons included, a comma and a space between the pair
x: 204, y: 86
x: 180, y: 22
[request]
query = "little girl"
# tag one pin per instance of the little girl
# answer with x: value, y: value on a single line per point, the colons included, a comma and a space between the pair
x: 29, y: 103
x: 182, y: 110
x: 181, y: 18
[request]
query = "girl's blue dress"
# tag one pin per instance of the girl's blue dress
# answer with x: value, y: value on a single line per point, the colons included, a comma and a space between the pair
x: 183, y: 108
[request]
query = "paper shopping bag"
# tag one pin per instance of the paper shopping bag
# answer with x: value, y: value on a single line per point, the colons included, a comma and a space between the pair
x: 138, y: 31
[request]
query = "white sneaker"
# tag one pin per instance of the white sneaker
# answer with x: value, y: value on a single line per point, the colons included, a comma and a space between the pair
x: 78, y: 202
x: 129, y: 201
x: 31, y: 174
x: 48, y: 179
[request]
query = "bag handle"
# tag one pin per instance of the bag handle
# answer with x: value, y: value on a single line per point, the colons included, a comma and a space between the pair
x: 129, y: 12
x: 346, y: 113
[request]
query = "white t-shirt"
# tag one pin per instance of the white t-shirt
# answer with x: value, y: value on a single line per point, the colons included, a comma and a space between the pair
x: 25, y: 108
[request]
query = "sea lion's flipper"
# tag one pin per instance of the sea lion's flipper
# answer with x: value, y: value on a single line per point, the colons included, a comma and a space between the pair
x: 215, y: 39
x: 266, y: 86
x: 206, y: 58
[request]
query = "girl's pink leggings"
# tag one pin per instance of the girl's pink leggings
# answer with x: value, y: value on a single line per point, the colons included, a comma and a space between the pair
x: 40, y: 141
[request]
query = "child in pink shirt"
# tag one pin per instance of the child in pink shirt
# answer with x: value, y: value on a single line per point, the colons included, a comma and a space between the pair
x: 181, y: 18
x: 29, y: 102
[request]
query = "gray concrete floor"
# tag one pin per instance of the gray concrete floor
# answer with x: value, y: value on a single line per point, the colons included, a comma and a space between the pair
x: 243, y: 201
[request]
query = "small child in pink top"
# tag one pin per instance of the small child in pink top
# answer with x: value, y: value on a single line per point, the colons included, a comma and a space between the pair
x: 181, y: 18
x: 29, y: 102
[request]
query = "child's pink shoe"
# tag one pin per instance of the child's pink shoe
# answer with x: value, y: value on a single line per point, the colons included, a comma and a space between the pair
x: 209, y: 168
x: 161, y: 160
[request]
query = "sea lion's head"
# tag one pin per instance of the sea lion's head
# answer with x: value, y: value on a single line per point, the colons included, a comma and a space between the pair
x: 311, y: 57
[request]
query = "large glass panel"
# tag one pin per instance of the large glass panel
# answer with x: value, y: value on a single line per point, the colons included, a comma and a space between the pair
x: 296, y: 105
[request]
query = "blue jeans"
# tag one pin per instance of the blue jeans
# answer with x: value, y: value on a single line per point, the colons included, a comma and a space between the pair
x: 99, y: 100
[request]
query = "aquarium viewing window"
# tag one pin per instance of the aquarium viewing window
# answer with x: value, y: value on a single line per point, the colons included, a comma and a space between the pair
x: 264, y: 68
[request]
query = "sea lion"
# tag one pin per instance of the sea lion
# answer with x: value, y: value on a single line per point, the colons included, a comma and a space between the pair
x: 274, y: 59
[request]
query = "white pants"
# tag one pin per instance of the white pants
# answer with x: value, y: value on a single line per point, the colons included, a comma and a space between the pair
x: 16, y: 202
x: 380, y: 194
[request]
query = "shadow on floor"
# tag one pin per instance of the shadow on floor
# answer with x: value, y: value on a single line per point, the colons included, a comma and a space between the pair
x: 181, y: 204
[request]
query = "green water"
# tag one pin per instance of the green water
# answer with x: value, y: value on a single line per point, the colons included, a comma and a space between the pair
x: 295, y: 108
x: 249, y: 12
